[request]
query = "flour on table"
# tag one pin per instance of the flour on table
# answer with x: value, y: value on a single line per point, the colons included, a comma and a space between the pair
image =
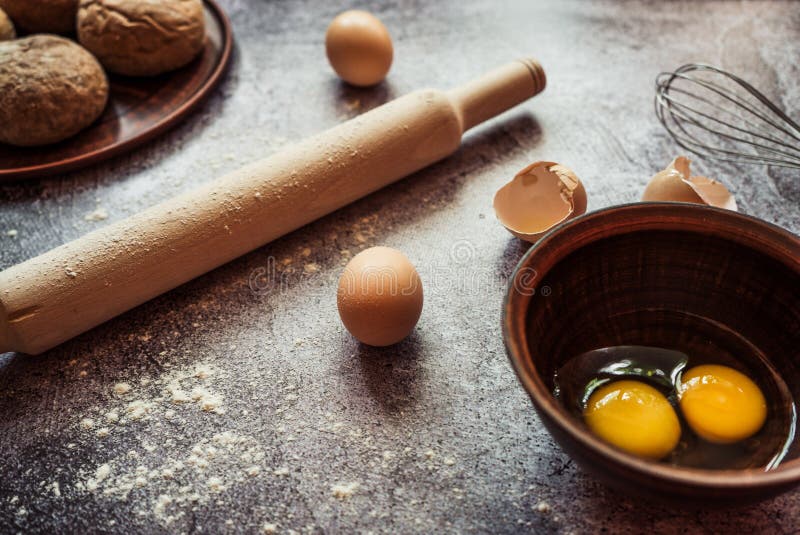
x: 543, y: 507
x: 98, y: 214
x: 343, y: 491
x: 139, y: 409
x: 121, y: 389
x: 178, y: 473
x: 100, y: 475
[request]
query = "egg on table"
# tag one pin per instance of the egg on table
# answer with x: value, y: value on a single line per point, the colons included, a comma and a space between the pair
x: 720, y: 404
x: 634, y: 417
x: 379, y: 296
x: 359, y: 48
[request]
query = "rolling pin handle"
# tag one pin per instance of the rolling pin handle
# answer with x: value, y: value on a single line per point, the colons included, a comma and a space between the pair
x: 498, y: 91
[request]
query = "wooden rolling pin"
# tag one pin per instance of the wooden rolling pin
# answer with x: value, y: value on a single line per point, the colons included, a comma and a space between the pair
x: 81, y: 284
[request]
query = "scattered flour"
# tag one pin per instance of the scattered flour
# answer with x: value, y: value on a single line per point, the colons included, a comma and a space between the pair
x: 162, y: 502
x: 202, y: 372
x: 179, y: 473
x: 215, y: 484
x: 100, y: 474
x: 543, y: 507
x: 121, y: 389
x: 182, y: 475
x: 177, y: 394
x: 343, y: 491
x: 139, y: 409
x: 208, y: 401
x: 98, y: 214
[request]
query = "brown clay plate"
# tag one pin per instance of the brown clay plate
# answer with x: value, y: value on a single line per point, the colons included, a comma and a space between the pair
x: 138, y: 110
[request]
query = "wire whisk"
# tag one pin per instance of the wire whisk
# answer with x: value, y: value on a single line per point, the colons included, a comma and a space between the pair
x: 716, y: 114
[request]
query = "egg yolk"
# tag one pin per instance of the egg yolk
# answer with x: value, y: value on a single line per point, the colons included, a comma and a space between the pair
x: 635, y: 417
x: 721, y: 404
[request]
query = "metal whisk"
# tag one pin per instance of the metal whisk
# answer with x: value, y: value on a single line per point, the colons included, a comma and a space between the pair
x: 716, y: 114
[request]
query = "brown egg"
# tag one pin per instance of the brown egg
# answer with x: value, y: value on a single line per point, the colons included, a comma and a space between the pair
x: 359, y: 48
x: 675, y: 183
x: 379, y: 296
x: 538, y: 198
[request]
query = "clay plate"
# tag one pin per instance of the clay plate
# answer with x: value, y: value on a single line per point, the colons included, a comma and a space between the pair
x: 138, y: 110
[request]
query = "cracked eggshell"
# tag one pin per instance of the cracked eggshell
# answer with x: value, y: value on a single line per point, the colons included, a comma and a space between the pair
x: 538, y: 198
x: 675, y: 183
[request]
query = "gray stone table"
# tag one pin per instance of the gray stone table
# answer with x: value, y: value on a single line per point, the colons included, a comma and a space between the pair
x: 306, y: 430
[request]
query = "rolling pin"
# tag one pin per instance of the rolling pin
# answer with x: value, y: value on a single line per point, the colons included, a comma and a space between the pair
x: 68, y: 290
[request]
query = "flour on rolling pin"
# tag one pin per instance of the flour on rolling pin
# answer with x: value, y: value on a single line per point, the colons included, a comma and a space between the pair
x: 81, y: 284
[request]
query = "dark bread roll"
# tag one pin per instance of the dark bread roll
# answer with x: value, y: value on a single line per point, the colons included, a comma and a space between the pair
x: 50, y: 89
x: 142, y: 37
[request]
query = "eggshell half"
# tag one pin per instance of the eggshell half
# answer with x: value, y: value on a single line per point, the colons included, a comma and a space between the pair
x: 676, y: 184
x: 538, y: 198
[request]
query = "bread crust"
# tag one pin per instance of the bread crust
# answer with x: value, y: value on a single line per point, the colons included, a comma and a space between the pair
x: 50, y: 89
x: 142, y: 37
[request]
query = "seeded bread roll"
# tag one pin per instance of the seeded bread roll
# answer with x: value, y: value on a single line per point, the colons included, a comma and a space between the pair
x: 37, y: 16
x: 6, y: 27
x: 142, y: 37
x: 50, y: 89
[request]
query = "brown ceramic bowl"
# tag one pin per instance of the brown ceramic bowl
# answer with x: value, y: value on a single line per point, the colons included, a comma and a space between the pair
x: 621, y: 276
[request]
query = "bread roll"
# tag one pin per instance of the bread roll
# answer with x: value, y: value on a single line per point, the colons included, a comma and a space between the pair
x: 142, y: 37
x: 50, y: 89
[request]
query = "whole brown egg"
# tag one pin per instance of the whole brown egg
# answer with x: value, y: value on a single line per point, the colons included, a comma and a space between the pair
x: 359, y: 48
x: 380, y: 296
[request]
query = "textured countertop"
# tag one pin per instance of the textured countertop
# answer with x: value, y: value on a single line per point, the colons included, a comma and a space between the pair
x: 305, y: 430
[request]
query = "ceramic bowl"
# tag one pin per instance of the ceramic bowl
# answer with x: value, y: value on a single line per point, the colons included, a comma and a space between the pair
x: 621, y: 276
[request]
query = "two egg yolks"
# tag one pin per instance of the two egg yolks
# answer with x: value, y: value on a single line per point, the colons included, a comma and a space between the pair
x: 719, y: 403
